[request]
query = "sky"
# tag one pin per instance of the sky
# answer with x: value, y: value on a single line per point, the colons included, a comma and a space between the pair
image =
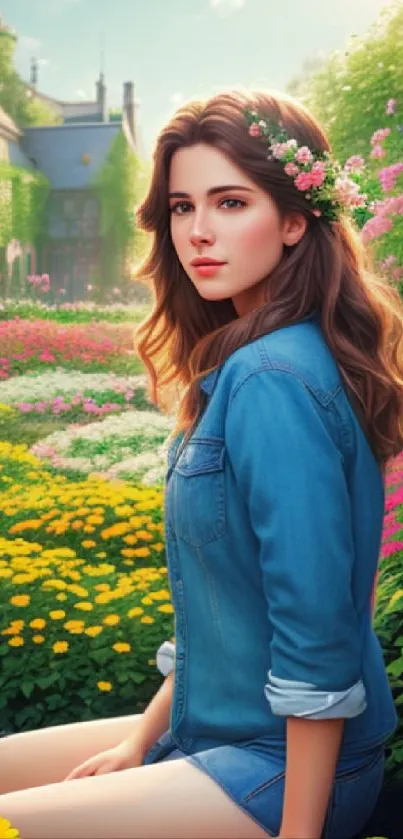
x: 174, y: 50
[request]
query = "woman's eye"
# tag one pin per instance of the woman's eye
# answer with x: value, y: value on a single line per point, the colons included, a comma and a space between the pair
x: 181, y: 207
x: 233, y: 203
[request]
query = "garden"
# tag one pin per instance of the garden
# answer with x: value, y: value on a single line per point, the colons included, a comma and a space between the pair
x: 84, y: 598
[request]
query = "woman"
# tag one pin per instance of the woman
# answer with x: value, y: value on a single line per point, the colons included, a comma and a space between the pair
x: 275, y: 710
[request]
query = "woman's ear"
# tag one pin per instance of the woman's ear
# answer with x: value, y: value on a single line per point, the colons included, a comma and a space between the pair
x: 294, y: 227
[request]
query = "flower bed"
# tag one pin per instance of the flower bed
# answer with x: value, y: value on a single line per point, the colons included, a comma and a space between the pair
x: 123, y: 444
x: 33, y: 345
x: 82, y: 576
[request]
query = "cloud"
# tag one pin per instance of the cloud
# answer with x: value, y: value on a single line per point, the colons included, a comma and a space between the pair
x: 81, y: 94
x: 29, y: 44
x: 176, y: 98
x: 226, y: 7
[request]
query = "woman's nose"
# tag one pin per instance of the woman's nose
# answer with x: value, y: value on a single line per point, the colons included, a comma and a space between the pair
x: 200, y: 234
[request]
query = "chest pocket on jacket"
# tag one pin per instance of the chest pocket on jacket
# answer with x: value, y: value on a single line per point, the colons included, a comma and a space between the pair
x: 197, y: 503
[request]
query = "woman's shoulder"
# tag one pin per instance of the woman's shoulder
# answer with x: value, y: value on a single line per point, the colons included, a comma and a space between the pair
x: 299, y: 349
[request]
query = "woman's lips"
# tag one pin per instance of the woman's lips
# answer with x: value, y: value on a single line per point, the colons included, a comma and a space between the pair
x: 208, y: 269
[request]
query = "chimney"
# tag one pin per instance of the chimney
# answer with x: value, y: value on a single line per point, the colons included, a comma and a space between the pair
x: 129, y: 109
x: 101, y: 97
x: 34, y: 72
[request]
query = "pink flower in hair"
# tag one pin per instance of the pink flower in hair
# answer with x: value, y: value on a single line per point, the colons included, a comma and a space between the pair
x: 318, y: 173
x: 303, y: 155
x: 291, y: 169
x: 255, y: 130
x: 303, y: 181
x: 279, y: 150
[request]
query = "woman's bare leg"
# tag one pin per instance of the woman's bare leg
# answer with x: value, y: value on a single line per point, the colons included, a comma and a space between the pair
x: 168, y: 800
x: 47, y: 755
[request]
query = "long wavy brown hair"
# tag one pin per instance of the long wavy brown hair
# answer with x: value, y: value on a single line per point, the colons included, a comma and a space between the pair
x: 327, y: 273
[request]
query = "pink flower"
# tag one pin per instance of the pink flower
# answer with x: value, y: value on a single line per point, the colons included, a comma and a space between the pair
x: 255, y: 130
x: 391, y: 107
x: 303, y: 182
x: 348, y: 192
x: 291, y: 169
x: 279, y: 150
x: 317, y: 213
x: 379, y: 136
x: 376, y: 227
x: 318, y: 173
x: 378, y: 152
x: 303, y: 155
x: 355, y: 163
x: 388, y: 175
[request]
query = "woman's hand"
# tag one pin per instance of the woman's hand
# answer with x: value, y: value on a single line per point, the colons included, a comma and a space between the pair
x: 127, y: 755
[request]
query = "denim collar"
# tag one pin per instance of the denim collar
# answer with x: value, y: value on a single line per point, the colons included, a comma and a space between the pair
x: 207, y: 384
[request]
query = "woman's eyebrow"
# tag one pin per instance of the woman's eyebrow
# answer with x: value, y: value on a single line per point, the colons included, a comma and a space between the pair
x: 214, y: 190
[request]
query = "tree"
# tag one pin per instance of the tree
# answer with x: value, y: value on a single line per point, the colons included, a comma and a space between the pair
x: 15, y: 97
x: 348, y: 94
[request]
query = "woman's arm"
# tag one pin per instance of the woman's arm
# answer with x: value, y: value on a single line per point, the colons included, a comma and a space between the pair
x: 312, y: 752
x: 155, y: 719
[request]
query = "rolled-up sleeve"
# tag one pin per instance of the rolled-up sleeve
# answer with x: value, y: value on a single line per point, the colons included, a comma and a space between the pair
x: 165, y: 659
x: 290, y: 472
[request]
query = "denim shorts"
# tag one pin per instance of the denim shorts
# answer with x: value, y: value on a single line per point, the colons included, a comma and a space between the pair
x: 252, y: 773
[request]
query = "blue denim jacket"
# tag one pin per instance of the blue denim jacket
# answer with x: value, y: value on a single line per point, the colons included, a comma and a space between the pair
x: 273, y: 514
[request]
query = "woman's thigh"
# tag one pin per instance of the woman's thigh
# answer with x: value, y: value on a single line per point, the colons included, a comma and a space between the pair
x: 47, y: 755
x: 169, y: 800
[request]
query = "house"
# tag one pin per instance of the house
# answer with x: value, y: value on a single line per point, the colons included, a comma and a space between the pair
x: 70, y: 155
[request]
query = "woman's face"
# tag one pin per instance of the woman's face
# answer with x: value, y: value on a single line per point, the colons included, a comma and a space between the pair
x: 226, y: 231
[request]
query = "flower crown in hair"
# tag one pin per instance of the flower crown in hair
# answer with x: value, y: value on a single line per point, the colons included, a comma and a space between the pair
x: 327, y: 187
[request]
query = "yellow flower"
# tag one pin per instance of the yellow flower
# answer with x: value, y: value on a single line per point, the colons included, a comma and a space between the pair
x: 147, y: 619
x: 147, y: 601
x: 20, y: 600
x: 123, y: 511
x: 104, y: 686
x: 158, y: 546
x: 80, y: 591
x: 95, y: 519
x: 130, y: 540
x: 6, y: 831
x: 57, y: 615
x: 16, y: 641
x: 111, y: 620
x: 60, y: 647
x: 38, y: 623
x: 101, y: 555
x: 61, y: 596
x: 151, y: 661
x: 121, y: 647
x: 84, y: 605
x: 77, y: 524
x: 38, y: 639
x: 163, y: 594
x: 102, y: 586
x: 74, y: 626
x: 141, y: 552
x: 93, y: 631
x: 167, y: 608
x: 88, y: 543
x: 20, y: 579
x: 128, y: 552
x: 144, y: 534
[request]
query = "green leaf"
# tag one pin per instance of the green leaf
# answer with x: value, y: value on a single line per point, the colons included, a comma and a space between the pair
x: 27, y: 688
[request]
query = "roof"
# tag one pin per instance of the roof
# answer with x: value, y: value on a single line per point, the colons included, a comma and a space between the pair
x: 58, y: 151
